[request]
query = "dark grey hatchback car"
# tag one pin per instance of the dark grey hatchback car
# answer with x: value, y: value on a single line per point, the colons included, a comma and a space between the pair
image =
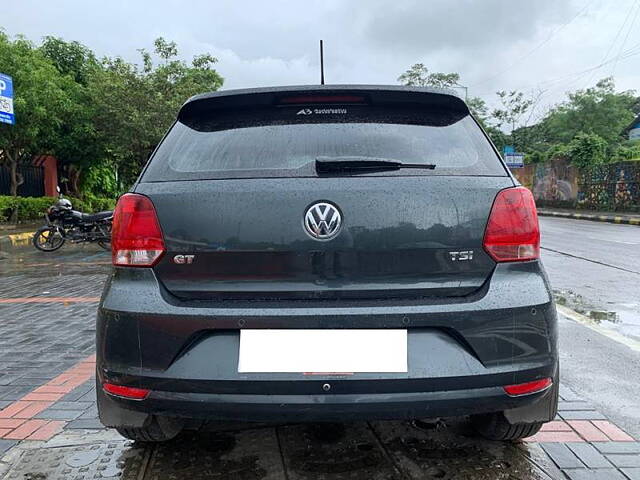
x: 326, y: 253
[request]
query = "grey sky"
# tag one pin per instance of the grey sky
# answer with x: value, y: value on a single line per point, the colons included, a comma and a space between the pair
x: 493, y: 44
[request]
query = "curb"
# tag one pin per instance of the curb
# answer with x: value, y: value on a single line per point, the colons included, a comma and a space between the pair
x: 15, y: 240
x: 592, y: 217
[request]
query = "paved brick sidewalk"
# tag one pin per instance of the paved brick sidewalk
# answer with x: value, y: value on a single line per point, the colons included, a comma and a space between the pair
x: 48, y: 418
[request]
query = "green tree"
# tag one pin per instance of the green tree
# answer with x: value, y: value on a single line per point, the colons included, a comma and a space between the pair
x: 480, y: 111
x: 514, y: 105
x: 41, y: 104
x: 70, y: 58
x: 78, y: 146
x: 587, y: 149
x: 599, y: 110
x: 135, y: 105
x: 418, y: 76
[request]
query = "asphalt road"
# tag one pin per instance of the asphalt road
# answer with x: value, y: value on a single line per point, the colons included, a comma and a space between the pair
x: 595, y: 267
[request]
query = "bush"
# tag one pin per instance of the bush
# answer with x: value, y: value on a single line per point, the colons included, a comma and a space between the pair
x: 33, y: 208
x: 557, y: 151
x: 626, y: 152
x: 587, y: 149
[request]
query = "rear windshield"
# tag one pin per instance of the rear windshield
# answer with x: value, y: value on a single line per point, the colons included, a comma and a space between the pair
x: 286, y: 141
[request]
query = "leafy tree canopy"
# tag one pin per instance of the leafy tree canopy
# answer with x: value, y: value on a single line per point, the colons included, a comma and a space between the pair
x: 135, y: 105
x: 96, y: 116
x: 599, y: 110
x: 418, y: 76
x: 587, y: 149
x: 43, y: 99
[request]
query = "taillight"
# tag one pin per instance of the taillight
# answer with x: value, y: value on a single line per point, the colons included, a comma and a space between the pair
x: 528, y: 388
x: 512, y: 233
x: 136, y: 238
x: 126, y: 392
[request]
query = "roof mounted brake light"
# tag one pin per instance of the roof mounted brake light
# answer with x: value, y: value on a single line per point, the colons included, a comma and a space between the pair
x: 307, y: 99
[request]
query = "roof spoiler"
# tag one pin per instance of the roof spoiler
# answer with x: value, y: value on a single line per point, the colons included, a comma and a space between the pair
x: 434, y: 98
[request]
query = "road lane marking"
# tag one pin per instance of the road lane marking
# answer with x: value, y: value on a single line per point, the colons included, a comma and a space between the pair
x: 589, y: 260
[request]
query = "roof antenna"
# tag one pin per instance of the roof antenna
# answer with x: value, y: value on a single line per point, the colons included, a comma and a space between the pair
x: 321, y: 64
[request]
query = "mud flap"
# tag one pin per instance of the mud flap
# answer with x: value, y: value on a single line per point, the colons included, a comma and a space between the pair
x: 113, y: 415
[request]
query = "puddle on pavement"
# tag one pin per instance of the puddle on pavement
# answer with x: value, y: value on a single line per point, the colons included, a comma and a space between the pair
x: 624, y: 318
x: 450, y: 450
x: 241, y: 455
x: 357, y: 451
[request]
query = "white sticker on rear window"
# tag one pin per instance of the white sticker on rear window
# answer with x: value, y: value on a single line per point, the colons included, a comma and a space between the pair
x: 322, y: 111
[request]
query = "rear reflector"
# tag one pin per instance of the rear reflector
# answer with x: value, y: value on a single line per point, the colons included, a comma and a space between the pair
x: 323, y: 99
x: 528, y: 388
x: 126, y: 392
x: 136, y: 238
x: 512, y: 233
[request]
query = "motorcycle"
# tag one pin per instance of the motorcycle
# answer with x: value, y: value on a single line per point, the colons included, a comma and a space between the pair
x: 64, y: 223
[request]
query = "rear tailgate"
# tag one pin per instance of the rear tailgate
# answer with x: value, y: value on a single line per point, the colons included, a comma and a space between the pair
x: 231, y: 187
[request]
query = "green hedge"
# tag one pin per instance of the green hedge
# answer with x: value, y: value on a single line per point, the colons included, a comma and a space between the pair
x: 33, y: 208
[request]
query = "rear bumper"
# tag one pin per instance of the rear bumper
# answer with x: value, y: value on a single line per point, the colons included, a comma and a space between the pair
x: 115, y: 411
x: 460, y: 355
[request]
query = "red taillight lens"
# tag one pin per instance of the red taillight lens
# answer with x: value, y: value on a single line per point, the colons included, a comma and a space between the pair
x: 126, y: 392
x: 528, y: 388
x: 136, y: 238
x: 512, y: 233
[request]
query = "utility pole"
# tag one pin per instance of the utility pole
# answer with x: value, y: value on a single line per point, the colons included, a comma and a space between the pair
x: 466, y: 91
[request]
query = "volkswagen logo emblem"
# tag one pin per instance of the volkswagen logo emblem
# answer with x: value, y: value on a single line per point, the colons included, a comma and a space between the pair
x: 322, y: 221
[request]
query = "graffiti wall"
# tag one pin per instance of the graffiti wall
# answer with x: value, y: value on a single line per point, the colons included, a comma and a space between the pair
x: 614, y: 186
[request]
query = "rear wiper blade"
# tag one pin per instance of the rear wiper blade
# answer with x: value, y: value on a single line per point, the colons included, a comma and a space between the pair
x: 351, y: 164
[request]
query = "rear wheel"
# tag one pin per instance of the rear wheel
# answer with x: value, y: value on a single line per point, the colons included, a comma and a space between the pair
x: 48, y: 239
x: 494, y: 426
x: 158, y: 429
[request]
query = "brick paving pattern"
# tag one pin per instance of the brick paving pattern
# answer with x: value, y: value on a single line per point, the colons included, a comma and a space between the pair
x: 36, y: 415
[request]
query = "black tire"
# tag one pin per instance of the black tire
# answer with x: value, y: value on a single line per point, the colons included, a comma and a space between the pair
x: 158, y: 429
x: 494, y: 426
x: 48, y: 239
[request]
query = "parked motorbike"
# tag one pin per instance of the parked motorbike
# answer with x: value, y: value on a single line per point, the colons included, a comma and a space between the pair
x: 64, y: 223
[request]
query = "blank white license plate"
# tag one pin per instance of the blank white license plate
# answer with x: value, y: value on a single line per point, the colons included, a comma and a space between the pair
x: 322, y: 351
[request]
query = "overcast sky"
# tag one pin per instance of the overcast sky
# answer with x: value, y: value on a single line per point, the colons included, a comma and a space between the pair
x: 555, y: 45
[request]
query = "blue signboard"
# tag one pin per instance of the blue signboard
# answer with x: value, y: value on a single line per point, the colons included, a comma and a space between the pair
x: 514, y: 160
x: 6, y: 100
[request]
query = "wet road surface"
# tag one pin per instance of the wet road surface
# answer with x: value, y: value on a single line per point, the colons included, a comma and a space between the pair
x: 595, y: 269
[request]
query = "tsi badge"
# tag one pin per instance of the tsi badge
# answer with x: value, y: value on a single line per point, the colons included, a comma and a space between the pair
x: 461, y: 256
x: 183, y: 259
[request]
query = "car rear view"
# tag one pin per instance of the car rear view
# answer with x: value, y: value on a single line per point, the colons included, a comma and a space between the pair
x: 326, y: 253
